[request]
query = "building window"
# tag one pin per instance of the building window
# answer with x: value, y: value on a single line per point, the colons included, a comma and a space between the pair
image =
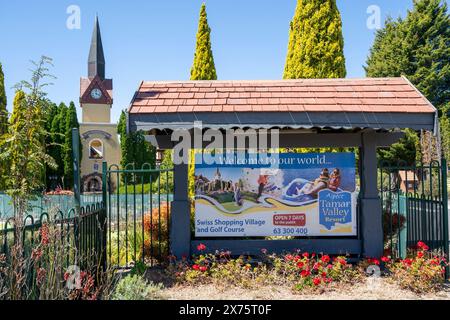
x: 96, y: 149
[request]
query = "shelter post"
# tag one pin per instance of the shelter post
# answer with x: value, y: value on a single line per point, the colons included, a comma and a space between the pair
x: 371, y: 211
x: 180, y: 229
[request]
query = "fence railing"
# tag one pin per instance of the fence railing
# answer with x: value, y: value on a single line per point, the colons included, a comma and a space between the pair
x: 77, y: 238
x: 44, y: 203
x: 139, y: 210
x: 415, y: 206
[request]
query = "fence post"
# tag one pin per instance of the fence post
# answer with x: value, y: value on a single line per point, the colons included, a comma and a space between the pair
x: 445, y: 210
x: 76, y: 168
x: 104, y: 215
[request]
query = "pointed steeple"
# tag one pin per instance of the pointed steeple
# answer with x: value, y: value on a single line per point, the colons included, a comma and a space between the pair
x: 96, y: 62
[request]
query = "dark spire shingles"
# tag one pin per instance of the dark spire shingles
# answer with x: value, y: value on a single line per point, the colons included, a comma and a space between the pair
x: 96, y: 61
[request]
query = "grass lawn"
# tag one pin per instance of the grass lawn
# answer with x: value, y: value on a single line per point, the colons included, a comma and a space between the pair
x: 146, y: 188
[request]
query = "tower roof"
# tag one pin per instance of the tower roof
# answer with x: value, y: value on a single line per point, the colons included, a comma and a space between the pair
x: 96, y: 61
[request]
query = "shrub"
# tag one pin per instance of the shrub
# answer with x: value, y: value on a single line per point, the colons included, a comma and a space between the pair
x: 307, y: 270
x: 156, y: 223
x: 299, y: 270
x: 134, y: 287
x: 421, y: 273
x: 43, y: 268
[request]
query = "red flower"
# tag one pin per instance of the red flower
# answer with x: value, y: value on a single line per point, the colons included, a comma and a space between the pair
x: 324, y: 274
x: 201, y: 247
x: 434, y: 262
x: 317, y: 281
x: 305, y: 273
x: 330, y: 266
x: 325, y: 259
x: 342, y: 261
x: 40, y: 277
x: 289, y: 257
x: 44, y: 234
x: 66, y: 276
x: 196, y: 267
x: 203, y: 268
x: 407, y: 261
x: 316, y: 266
x: 385, y: 259
x: 305, y: 255
x: 300, y: 264
x: 374, y: 261
x: 36, y: 254
x: 420, y: 254
x: 422, y: 245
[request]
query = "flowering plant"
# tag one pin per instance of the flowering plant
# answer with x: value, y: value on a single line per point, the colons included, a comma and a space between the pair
x: 300, y: 270
x: 423, y: 272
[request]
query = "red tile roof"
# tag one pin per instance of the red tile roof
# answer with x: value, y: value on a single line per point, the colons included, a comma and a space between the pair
x: 310, y: 95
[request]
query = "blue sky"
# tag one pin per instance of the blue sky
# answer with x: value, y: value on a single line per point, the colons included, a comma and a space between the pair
x: 155, y: 40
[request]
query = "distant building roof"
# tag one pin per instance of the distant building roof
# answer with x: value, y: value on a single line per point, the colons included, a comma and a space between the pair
x: 408, y: 175
x: 379, y: 103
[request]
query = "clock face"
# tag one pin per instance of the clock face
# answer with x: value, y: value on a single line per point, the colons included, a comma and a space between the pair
x: 96, y: 94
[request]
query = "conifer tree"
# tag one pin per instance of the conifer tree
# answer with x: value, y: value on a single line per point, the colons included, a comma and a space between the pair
x: 3, y: 122
x: 3, y: 111
x: 417, y: 47
x: 203, y: 67
x: 71, y: 122
x: 56, y: 151
x: 135, y: 150
x: 316, y: 44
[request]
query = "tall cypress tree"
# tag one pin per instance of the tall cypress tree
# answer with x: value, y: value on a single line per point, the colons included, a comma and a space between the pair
x: 58, y: 133
x: 18, y: 112
x: 3, y: 123
x: 417, y: 47
x: 3, y: 111
x: 71, y: 122
x: 134, y: 149
x: 14, y: 124
x: 203, y: 67
x: 316, y: 44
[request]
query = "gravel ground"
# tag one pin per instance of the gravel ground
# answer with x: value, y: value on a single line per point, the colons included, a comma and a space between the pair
x: 374, y: 289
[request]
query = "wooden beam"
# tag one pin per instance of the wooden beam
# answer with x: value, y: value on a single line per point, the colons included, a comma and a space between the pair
x: 294, y: 139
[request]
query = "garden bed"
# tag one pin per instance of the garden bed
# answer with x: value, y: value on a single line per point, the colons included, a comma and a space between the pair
x: 291, y: 277
x: 382, y: 289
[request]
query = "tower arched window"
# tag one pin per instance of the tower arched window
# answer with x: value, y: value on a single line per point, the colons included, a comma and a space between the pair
x: 96, y: 149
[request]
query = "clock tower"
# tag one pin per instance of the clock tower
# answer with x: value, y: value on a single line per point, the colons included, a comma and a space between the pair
x: 98, y: 135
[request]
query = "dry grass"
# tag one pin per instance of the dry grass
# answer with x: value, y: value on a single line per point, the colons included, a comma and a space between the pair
x: 377, y: 289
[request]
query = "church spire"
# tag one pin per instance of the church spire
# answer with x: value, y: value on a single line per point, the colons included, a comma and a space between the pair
x: 96, y: 62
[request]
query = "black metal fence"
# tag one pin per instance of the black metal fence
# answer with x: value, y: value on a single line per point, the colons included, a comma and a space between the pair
x: 138, y: 214
x: 79, y: 239
x: 415, y: 206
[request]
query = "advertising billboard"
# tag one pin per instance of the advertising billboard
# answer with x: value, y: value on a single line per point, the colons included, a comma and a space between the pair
x: 300, y: 195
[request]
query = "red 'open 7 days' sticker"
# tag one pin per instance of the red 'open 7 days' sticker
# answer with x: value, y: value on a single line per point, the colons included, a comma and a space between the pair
x: 296, y: 220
